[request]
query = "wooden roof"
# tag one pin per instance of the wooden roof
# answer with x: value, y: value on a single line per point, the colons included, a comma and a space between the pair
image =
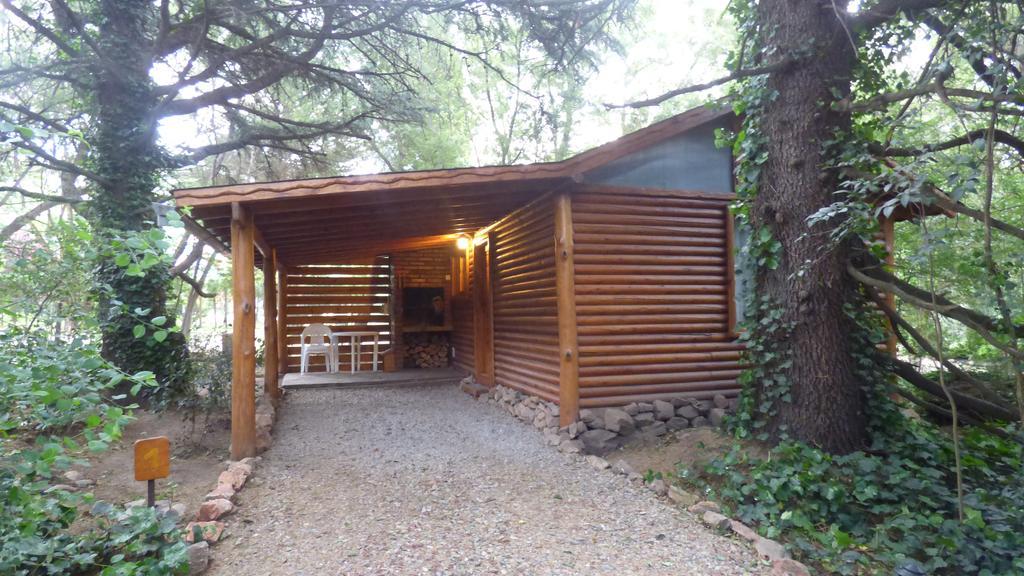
x: 324, y: 219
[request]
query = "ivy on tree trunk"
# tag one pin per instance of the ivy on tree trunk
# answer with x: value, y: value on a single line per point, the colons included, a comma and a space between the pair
x: 128, y: 162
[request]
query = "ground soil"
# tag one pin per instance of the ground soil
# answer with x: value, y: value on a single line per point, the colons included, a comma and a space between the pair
x: 196, y: 459
x: 689, y: 448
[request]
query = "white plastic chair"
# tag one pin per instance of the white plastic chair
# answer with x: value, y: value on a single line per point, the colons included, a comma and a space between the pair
x: 320, y: 344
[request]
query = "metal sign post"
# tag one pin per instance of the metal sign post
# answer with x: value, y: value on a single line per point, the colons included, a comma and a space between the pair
x: 152, y: 461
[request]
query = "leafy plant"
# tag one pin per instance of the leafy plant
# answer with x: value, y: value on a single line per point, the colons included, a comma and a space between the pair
x: 56, y: 402
x: 893, y: 504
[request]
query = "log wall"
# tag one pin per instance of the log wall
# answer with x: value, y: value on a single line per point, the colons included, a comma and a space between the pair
x: 352, y: 296
x: 525, y: 312
x: 652, y: 297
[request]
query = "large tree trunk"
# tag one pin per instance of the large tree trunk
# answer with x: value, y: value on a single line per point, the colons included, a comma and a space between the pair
x: 129, y: 161
x: 809, y: 286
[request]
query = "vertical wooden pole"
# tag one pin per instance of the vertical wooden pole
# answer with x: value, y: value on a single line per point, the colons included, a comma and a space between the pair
x: 483, y: 313
x: 730, y: 269
x: 889, y: 235
x: 270, y: 348
x: 282, y: 319
x: 565, y: 287
x: 243, y: 339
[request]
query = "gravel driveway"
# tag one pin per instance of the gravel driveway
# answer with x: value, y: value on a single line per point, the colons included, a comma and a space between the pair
x: 425, y: 480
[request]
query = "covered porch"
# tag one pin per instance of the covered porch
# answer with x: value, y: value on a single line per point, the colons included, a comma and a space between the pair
x: 349, y: 252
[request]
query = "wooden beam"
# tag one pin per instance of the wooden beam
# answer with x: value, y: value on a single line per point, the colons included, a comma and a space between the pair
x: 243, y: 340
x: 483, y: 311
x: 565, y: 289
x: 270, y: 336
x: 730, y: 268
x: 282, y: 319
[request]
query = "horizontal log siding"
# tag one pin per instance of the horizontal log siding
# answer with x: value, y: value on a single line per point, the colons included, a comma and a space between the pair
x: 344, y: 297
x: 525, y: 312
x: 462, y: 323
x: 651, y: 298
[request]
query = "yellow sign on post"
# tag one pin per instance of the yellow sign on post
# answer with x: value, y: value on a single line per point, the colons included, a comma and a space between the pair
x: 152, y: 461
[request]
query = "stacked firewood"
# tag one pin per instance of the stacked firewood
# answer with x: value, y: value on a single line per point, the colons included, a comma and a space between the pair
x: 430, y: 352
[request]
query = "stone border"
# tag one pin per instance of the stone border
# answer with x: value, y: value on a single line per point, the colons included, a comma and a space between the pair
x: 208, y: 527
x: 601, y: 430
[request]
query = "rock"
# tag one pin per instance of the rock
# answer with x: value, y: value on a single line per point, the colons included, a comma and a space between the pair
x: 770, y: 549
x: 699, y: 421
x: 643, y: 419
x: 571, y: 446
x: 656, y: 430
x: 634, y: 478
x: 789, y: 567
x: 180, y: 509
x: 679, y: 402
x: 214, y: 509
x: 589, y: 417
x: 73, y: 476
x: 720, y: 401
x: 716, y: 415
x: 241, y: 467
x: 198, y: 557
x: 263, y: 439
x: 659, y: 487
x: 664, y: 410
x: 743, y: 531
x: 703, y: 506
x: 264, y: 420
x: 616, y: 420
x: 715, y: 520
x: 702, y: 406
x: 677, y: 423
x: 235, y: 477
x: 688, y: 412
x: 575, y: 429
x: 204, y: 531
x: 599, y: 441
x: 622, y: 467
x: 681, y: 497
x: 84, y: 483
x: 645, y: 406
x: 221, y: 491
x: 598, y: 463
x: 733, y: 404
x: 64, y: 487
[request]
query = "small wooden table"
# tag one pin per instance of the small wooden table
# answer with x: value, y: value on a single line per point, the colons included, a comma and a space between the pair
x: 355, y: 342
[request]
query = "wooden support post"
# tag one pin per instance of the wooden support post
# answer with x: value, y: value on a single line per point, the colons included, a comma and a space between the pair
x: 243, y: 340
x: 730, y: 269
x: 565, y: 287
x: 282, y: 320
x: 483, y: 312
x: 271, y: 360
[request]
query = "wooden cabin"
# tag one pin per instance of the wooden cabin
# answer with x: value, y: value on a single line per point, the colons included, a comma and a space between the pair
x: 600, y: 280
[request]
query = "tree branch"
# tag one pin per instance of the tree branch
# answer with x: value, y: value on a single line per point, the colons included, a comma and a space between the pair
x: 1001, y: 136
x: 738, y: 75
x: 980, y: 323
x: 40, y: 196
x: 906, y: 371
x: 886, y: 10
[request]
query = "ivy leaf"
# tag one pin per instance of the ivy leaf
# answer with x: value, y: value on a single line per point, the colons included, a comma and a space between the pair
x: 159, y: 320
x: 160, y: 335
x: 139, y: 330
x: 122, y: 260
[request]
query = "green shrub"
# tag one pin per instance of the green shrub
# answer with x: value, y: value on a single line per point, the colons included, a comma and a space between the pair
x: 56, y: 402
x: 894, y: 504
